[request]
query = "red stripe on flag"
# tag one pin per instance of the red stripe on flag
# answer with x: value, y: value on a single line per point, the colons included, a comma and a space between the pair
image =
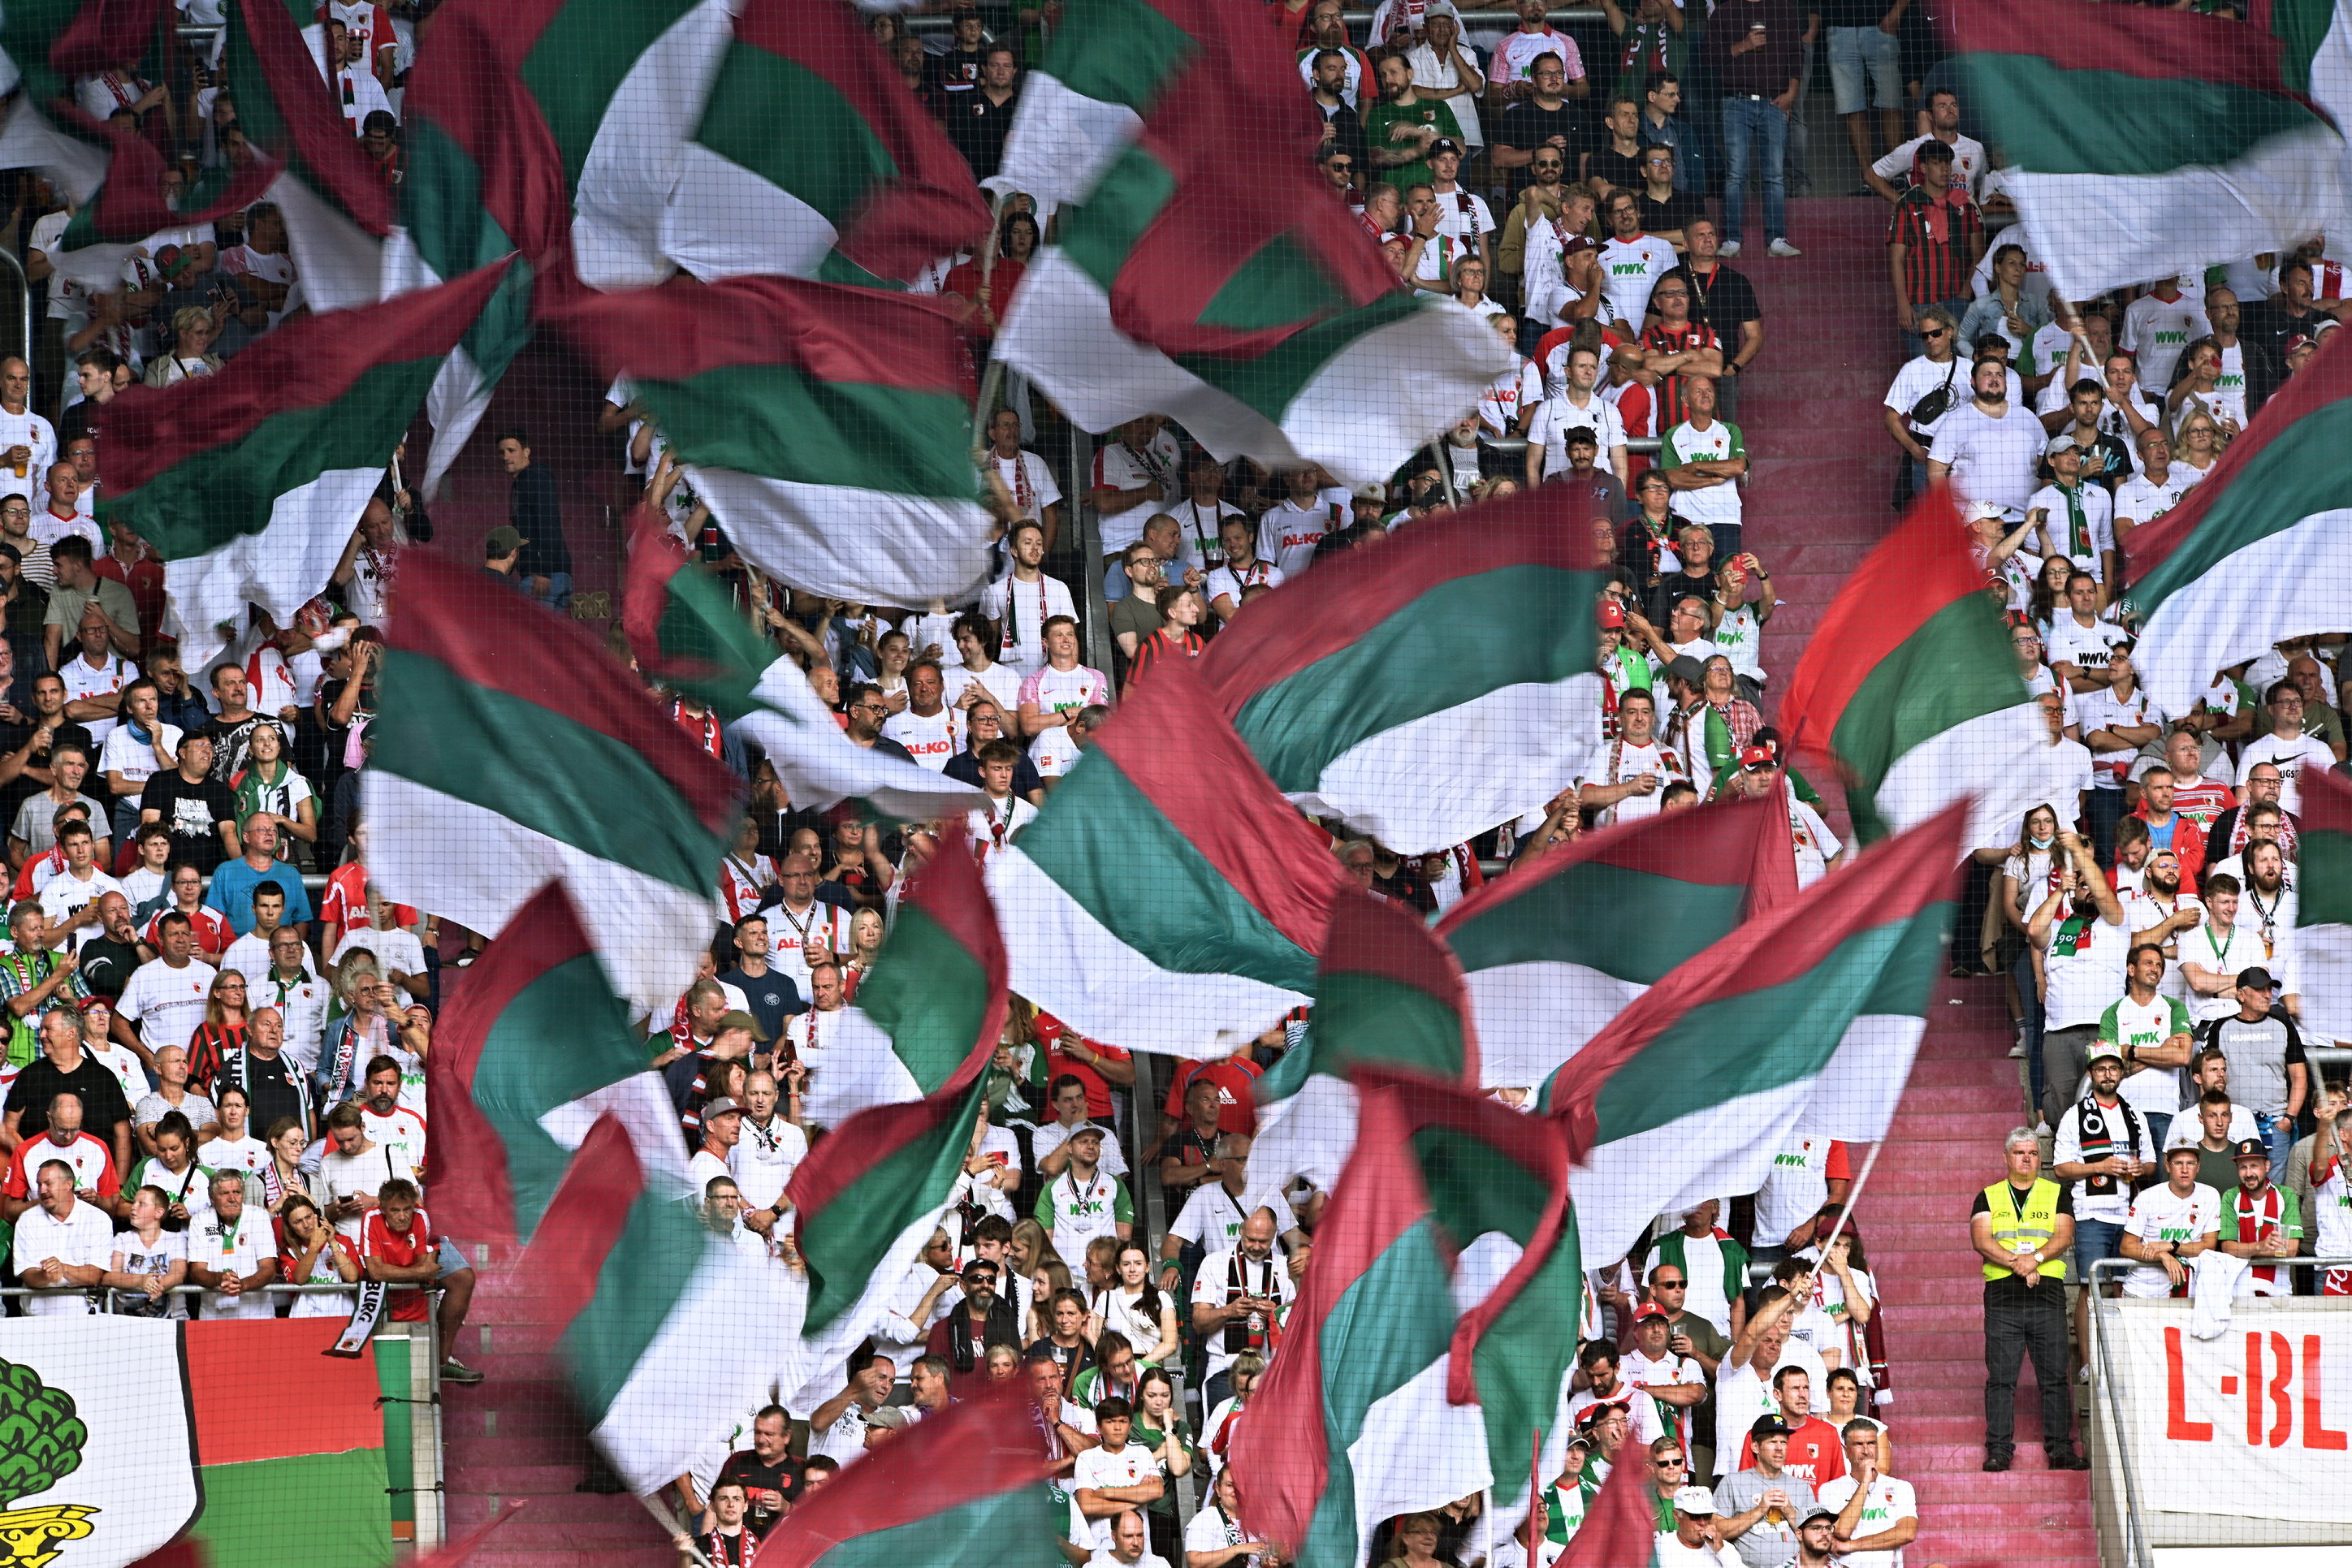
x: 950, y: 889
x: 1370, y: 936
x: 2326, y: 802
x: 1212, y: 792
x: 530, y: 651
x: 1892, y: 881
x: 130, y: 201
x: 1356, y: 591
x: 655, y: 557
x: 309, y: 1403
x: 872, y: 1135
x: 469, y: 81
x: 307, y: 363
x: 1912, y: 574
x: 827, y: 331
x: 583, y: 1224
x: 1620, y: 1531
x: 929, y: 207
x: 2151, y: 45
x: 977, y: 1448
x: 312, y: 119
x: 1281, y: 1452
x: 2325, y: 379
x: 473, y: 1194
x: 102, y: 34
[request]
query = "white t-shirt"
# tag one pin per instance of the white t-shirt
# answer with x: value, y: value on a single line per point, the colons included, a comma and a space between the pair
x: 2082, y: 983
x: 1517, y: 391
x: 2159, y: 1215
x: 1615, y: 761
x: 132, y: 758
x: 1969, y: 163
x: 1208, y: 1533
x: 763, y: 1160
x: 2057, y: 524
x: 1029, y: 480
x: 2102, y: 709
x: 1556, y: 417
x: 1228, y: 582
x: 132, y: 1256
x: 83, y: 681
x: 65, y: 895
x: 1991, y: 460
x: 2115, y: 1205
x: 1100, y: 1469
x: 1211, y: 1218
x: 2070, y: 642
x: 1793, y: 1191
x: 343, y: 1175
x: 84, y: 1238
x: 234, y: 1246
x: 395, y: 948
x: 1920, y: 377
x: 167, y: 1004
x: 1271, y: 1277
x: 1889, y: 1502
x: 932, y: 741
x: 1289, y: 532
x: 2140, y: 500
x: 1050, y: 690
x: 1028, y: 606
x: 2290, y: 757
x: 1630, y: 268
x: 1053, y: 1135
x: 2156, y: 330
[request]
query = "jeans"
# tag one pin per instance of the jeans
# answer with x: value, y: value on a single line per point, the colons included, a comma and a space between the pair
x: 2159, y: 1127
x: 2278, y: 1132
x: 2029, y: 1006
x: 2020, y: 1319
x: 1754, y: 126
x: 2095, y: 1240
x: 2065, y: 1056
x: 1856, y: 53
x: 559, y: 589
x: 2103, y: 812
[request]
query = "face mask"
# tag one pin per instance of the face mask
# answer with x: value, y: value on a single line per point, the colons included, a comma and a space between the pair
x: 2040, y: 843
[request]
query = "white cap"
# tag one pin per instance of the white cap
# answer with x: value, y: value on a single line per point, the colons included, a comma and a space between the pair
x: 1693, y: 1500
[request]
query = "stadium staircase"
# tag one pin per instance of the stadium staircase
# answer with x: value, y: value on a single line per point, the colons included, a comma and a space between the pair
x: 1818, y: 503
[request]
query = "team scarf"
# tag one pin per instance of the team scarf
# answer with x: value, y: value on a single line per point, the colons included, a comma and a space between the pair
x: 1669, y: 1249
x: 2072, y: 935
x: 2253, y: 1221
x: 2099, y: 1141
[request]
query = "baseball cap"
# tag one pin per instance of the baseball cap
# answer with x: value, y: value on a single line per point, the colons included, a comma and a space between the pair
x: 1757, y: 757
x: 1649, y: 1309
x: 501, y: 541
x: 2250, y: 1149
x: 2258, y: 978
x: 1611, y: 614
x: 723, y: 1107
x: 2300, y: 340
x: 1084, y: 1130
x: 1693, y: 1500
x: 1816, y: 1513
x: 742, y: 1021
x: 2104, y: 1053
x: 2060, y: 444
x: 1575, y: 243
x: 1770, y: 1426
x: 1687, y: 670
x: 982, y: 1265
x: 1444, y: 144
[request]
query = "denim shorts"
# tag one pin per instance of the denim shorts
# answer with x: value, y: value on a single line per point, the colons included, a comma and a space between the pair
x: 1859, y: 52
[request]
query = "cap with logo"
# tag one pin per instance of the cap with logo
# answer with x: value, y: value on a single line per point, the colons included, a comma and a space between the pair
x: 1693, y: 1500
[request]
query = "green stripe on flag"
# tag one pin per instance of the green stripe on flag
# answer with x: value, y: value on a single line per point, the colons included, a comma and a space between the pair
x: 1789, y: 1032
x: 1099, y: 233
x: 1655, y: 923
x: 2054, y: 120
x: 518, y: 1080
x: 579, y: 61
x: 2324, y: 879
x: 1279, y: 285
x: 1371, y: 1017
x: 1524, y: 1357
x: 441, y: 207
x: 244, y: 1517
x: 1460, y: 640
x: 1020, y: 1527
x: 1956, y: 667
x: 2302, y: 25
x: 1271, y: 381
x: 843, y: 1242
x: 779, y: 422
x: 643, y: 1283
x: 700, y: 626
x: 1474, y: 1187
x: 929, y: 993
x: 1389, y: 1326
x: 1118, y: 51
x: 2298, y: 474
x: 1105, y: 832
x: 542, y: 769
x: 792, y: 128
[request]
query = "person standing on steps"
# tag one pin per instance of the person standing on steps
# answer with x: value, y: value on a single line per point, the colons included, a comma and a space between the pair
x: 2020, y: 1228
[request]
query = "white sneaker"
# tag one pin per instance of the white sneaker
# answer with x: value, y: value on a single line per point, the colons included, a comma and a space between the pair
x: 1729, y: 247
x: 1783, y: 250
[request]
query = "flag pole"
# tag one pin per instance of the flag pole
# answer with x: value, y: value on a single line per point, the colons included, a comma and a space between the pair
x: 994, y: 376
x: 1845, y: 1210
x: 671, y: 1527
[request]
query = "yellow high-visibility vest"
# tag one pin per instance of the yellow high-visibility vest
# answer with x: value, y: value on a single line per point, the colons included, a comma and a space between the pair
x: 2026, y: 1231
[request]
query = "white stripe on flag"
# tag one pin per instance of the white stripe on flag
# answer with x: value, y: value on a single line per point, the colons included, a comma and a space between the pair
x: 1311, y: 1134
x: 1066, y: 962
x: 633, y: 164
x: 1503, y: 752
x: 820, y: 767
x: 2004, y: 757
x: 2290, y: 584
x: 869, y: 547
x: 649, y: 935
x: 1416, y: 1452
x: 340, y: 264
x: 2104, y: 231
x: 279, y: 569
x: 724, y: 220
x: 1360, y: 416
x: 1533, y: 1017
x: 861, y: 1070
x: 808, y: 1371
x: 1062, y: 143
x: 2319, y: 972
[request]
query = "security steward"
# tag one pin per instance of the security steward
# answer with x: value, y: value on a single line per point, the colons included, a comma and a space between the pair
x: 2021, y: 1228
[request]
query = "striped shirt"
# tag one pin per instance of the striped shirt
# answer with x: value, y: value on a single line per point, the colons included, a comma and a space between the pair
x: 1936, y: 237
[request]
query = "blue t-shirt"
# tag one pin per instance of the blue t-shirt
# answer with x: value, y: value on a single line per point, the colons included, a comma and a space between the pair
x: 232, y: 893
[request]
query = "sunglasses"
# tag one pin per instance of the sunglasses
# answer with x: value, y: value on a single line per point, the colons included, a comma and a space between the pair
x: 1931, y: 333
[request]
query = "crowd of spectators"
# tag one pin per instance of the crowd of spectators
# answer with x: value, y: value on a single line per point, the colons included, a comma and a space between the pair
x: 192, y: 1041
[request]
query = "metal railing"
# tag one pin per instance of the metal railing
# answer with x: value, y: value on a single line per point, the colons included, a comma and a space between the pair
x: 105, y: 1296
x: 24, y: 304
x: 2136, y: 1548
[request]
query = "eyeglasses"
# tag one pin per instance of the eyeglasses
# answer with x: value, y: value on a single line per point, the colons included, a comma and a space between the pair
x: 1342, y: 165
x: 1550, y: 163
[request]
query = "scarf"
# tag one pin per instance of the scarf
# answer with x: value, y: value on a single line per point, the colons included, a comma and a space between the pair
x: 2099, y: 1141
x: 2256, y: 1218
x: 2073, y: 935
x: 1002, y: 1326
x: 2078, y: 526
x: 1735, y: 1260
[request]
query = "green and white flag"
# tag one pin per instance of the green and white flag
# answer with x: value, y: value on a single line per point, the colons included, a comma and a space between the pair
x: 2319, y: 955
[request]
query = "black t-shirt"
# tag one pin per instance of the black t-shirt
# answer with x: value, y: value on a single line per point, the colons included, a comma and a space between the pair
x: 1725, y: 302
x: 964, y: 768
x: 102, y: 1103
x: 1620, y: 169
x: 784, y: 1476
x: 1348, y: 132
x: 107, y: 966
x: 955, y: 75
x: 271, y: 1090
x: 1679, y: 208
x: 2065, y: 1200
x: 192, y: 813
x: 1677, y: 585
x: 773, y: 996
x: 231, y: 740
x: 978, y: 128
x: 1525, y: 125
x: 2266, y: 321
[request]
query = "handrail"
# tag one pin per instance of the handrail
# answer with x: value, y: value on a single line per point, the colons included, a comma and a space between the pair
x: 24, y: 304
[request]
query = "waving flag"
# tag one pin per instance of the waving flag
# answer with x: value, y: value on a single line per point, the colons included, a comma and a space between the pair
x: 828, y: 428
x: 1803, y: 1023
x: 1288, y: 339
x: 2206, y: 120
x: 249, y: 482
x: 517, y: 734
x: 1445, y: 1273
x: 1166, y: 896
x: 1425, y: 691
x: 687, y: 633
x: 1555, y: 951
x: 2319, y: 958
x: 2255, y: 554
x: 1911, y: 685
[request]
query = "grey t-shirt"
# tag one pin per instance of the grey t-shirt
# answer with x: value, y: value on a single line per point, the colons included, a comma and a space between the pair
x: 37, y: 822
x: 1765, y: 1545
